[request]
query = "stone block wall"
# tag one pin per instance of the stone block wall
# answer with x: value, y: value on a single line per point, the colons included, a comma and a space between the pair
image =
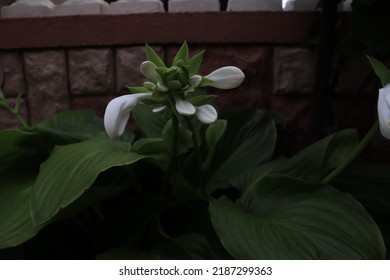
x: 68, y: 73
x: 278, y: 77
x: 51, y: 8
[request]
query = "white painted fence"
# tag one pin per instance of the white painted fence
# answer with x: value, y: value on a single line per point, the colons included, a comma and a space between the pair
x: 49, y: 8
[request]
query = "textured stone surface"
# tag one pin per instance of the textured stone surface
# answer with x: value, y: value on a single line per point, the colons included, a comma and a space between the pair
x: 254, y: 5
x: 91, y: 7
x: 96, y: 103
x: 47, y: 83
x: 11, y: 72
x: 8, y: 120
x: 301, y: 5
x: 32, y: 8
x: 128, y: 61
x: 193, y: 6
x: 297, y: 112
x: 91, y: 71
x: 135, y: 7
x: 255, y: 62
x: 293, y: 70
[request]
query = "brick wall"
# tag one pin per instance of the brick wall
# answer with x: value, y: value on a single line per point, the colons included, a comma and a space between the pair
x: 67, y: 66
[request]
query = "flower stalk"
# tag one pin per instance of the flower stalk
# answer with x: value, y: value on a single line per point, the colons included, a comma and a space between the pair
x: 355, y: 153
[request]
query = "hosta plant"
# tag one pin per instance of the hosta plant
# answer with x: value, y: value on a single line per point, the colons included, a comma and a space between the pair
x: 188, y: 182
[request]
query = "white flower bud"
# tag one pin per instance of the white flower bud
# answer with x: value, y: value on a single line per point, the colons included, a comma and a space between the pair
x: 384, y: 111
x: 118, y: 112
x: 161, y: 87
x: 206, y: 114
x: 196, y: 80
x: 227, y: 77
x: 148, y: 69
x: 149, y: 85
x: 184, y: 107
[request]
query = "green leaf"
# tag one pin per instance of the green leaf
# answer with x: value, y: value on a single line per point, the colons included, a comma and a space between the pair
x: 201, y: 99
x: 184, y: 141
x: 71, y: 170
x: 312, y: 164
x: 147, y: 146
x: 214, y: 133
x: 368, y: 182
x: 195, y: 63
x: 138, y: 89
x: 153, y: 57
x: 380, y: 70
x: 17, y: 145
x: 205, y: 82
x: 16, y: 225
x: 197, y: 246
x: 182, y: 54
x: 287, y: 218
x: 151, y: 124
x: 4, y: 105
x: 72, y: 126
x: 248, y: 141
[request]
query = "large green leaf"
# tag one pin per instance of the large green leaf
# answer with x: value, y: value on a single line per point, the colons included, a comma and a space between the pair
x: 312, y: 163
x: 71, y: 170
x: 368, y: 182
x: 287, y: 218
x: 16, y: 225
x: 18, y: 144
x: 249, y: 140
x: 72, y: 126
x: 380, y: 70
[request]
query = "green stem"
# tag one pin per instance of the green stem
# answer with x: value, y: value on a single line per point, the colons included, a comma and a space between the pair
x: 195, y: 141
x: 355, y: 153
x: 21, y: 120
x: 199, y: 179
x: 172, y: 161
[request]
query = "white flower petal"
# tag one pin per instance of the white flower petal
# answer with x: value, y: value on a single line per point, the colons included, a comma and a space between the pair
x: 148, y: 69
x: 159, y: 109
x: 384, y: 111
x: 184, y: 107
x: 227, y: 77
x: 118, y: 112
x: 161, y: 87
x: 149, y: 85
x: 206, y: 114
x: 196, y: 80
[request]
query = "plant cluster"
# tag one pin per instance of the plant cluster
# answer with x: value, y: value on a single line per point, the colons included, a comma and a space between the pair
x: 187, y: 182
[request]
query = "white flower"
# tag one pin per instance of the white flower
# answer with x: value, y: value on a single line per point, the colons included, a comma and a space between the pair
x: 148, y: 69
x: 159, y: 108
x: 196, y: 80
x: 118, y: 112
x: 206, y: 114
x: 162, y: 87
x: 227, y: 77
x: 184, y: 107
x: 384, y: 111
x: 149, y: 86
